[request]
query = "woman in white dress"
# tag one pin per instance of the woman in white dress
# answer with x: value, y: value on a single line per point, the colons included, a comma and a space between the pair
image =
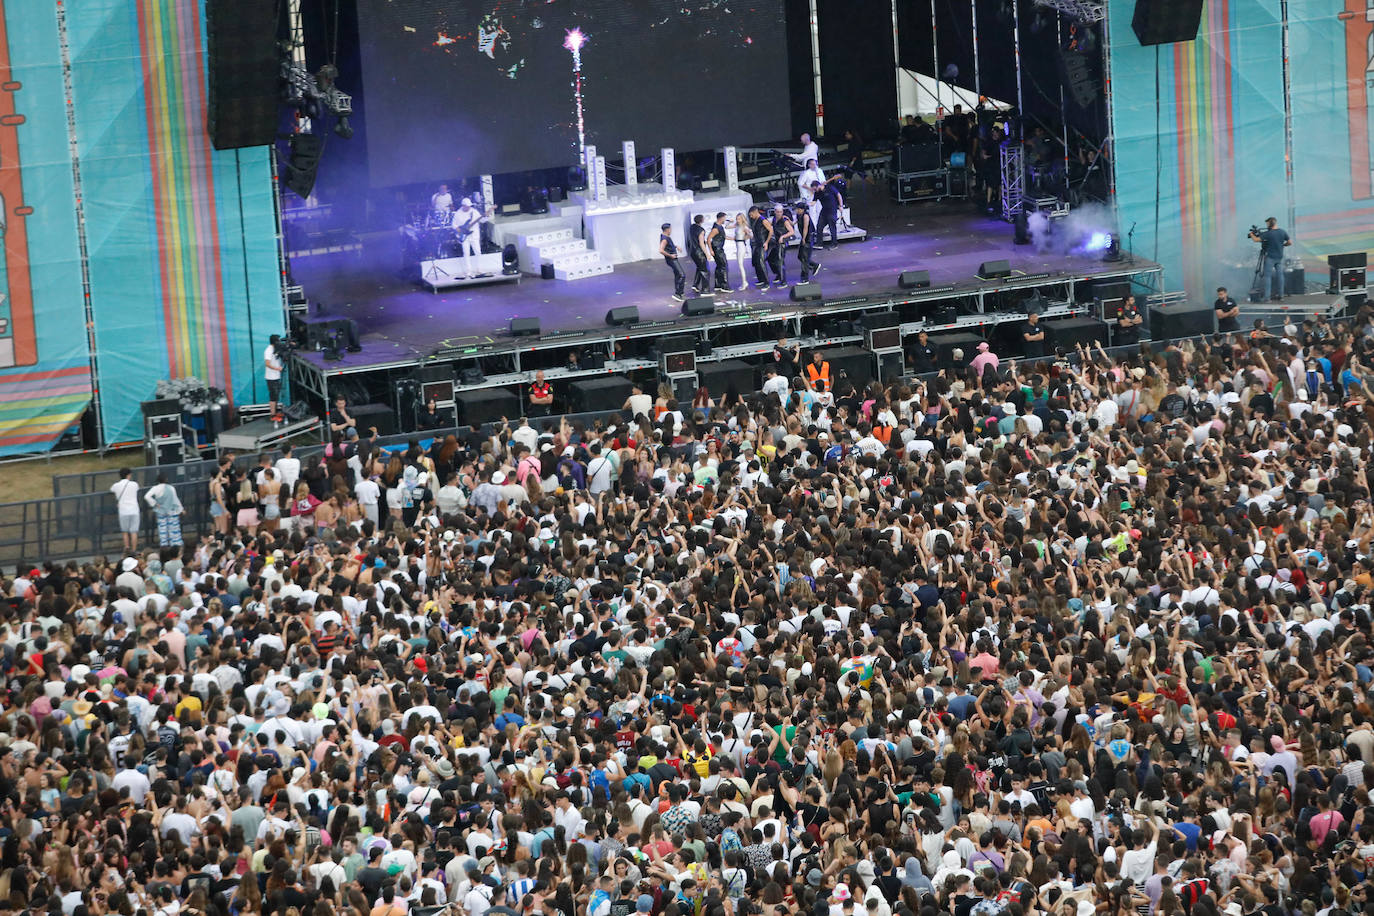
x: 743, y: 248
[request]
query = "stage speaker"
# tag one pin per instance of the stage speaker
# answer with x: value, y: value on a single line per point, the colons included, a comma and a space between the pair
x: 1064, y: 334
x: 1111, y: 289
x: 873, y: 321
x: 524, y: 327
x: 990, y: 270
x: 857, y: 364
x: 378, y: 415
x: 698, y: 305
x: 301, y: 167
x: 486, y: 406
x: 1182, y: 321
x: 597, y: 394
x: 720, y: 378
x: 918, y: 157
x: 624, y: 314
x: 945, y: 344
x: 806, y: 292
x: 557, y: 195
x: 546, y: 271
x: 1079, y: 78
x: 242, y: 72
x: 1162, y: 22
x: 1295, y: 280
x: 914, y: 279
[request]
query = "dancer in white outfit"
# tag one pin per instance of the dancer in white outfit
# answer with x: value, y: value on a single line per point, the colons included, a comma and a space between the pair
x: 743, y: 250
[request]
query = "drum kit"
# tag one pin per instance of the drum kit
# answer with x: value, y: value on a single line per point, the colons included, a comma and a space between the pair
x: 429, y: 233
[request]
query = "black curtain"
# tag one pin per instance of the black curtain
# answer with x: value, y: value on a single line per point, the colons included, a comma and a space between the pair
x: 858, y: 71
x: 799, y: 79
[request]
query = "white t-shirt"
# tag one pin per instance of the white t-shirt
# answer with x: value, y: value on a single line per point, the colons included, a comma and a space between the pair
x: 270, y: 359
x: 126, y: 492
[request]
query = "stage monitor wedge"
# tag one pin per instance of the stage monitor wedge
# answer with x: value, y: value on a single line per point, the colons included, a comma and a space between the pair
x: 524, y: 327
x: 994, y: 270
x: 806, y: 292
x: 697, y: 306
x: 1162, y: 22
x: 914, y: 279
x: 622, y: 315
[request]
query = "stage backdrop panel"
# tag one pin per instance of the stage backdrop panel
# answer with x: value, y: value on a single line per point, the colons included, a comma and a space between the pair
x: 181, y: 238
x: 1199, y: 141
x: 460, y: 88
x: 1201, y: 159
x: 1333, y: 45
x: 45, y: 379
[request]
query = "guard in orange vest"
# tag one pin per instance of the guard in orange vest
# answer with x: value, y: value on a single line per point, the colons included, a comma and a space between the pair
x: 818, y: 373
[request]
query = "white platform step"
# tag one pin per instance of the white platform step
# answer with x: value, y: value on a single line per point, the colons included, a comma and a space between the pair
x: 549, y: 237
x: 575, y: 259
x: 581, y: 273
x: 555, y: 250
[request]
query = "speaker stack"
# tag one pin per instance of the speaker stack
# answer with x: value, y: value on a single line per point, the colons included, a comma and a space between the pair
x: 1182, y: 321
x: 243, y: 72
x: 1162, y: 22
x: 598, y: 394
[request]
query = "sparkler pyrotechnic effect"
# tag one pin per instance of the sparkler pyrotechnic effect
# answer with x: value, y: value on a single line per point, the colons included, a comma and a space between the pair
x: 574, y: 42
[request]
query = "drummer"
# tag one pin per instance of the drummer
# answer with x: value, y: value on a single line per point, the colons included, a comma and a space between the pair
x: 442, y: 201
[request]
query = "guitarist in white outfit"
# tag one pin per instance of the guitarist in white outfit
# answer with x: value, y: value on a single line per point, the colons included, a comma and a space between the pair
x: 467, y: 222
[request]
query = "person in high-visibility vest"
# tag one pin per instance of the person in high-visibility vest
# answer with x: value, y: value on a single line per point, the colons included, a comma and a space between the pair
x: 818, y: 373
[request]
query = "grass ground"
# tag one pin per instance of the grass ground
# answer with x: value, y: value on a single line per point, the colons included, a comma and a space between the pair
x: 32, y: 478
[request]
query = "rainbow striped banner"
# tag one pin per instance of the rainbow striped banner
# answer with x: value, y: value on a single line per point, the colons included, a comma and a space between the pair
x: 1206, y: 143
x: 183, y: 189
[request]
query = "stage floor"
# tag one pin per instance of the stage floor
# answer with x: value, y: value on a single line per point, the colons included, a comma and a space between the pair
x: 401, y: 321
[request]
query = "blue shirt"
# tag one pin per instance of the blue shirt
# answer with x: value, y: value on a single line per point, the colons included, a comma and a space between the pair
x: 1190, y: 832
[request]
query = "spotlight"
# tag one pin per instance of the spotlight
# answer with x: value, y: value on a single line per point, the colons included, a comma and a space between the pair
x: 1113, y: 252
x: 510, y: 261
x: 332, y: 353
x: 343, y: 128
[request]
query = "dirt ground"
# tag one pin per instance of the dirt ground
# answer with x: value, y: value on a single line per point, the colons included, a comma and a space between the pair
x: 32, y: 478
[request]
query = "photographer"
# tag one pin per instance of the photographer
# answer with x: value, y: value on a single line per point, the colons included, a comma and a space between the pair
x: 272, y: 370
x: 1272, y: 242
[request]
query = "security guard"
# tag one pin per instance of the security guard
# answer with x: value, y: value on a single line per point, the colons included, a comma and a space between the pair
x: 818, y: 373
x: 1128, y: 325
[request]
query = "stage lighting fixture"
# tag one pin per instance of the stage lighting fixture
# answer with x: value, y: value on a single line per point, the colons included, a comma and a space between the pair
x: 343, y: 128
x: 1113, y: 252
x: 331, y: 352
x: 510, y: 261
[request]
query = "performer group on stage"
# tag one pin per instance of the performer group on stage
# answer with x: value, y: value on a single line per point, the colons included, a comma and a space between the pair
x: 459, y: 227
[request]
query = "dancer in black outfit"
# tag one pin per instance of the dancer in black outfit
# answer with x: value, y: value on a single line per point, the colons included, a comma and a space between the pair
x: 762, y: 230
x: 777, y: 245
x: 806, y: 232
x: 716, y: 238
x: 696, y: 248
x: 832, y: 202
x: 668, y: 248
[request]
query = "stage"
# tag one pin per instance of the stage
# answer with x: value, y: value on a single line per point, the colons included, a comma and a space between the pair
x: 402, y: 325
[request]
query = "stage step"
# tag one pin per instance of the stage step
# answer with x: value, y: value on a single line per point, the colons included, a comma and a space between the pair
x: 550, y: 237
x: 596, y: 269
x: 575, y: 259
x: 557, y: 250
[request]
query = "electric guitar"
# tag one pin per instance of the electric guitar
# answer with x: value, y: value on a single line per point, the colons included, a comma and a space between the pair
x: 466, y: 227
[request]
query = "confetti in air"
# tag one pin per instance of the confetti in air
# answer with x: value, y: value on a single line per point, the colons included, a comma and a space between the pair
x: 444, y: 40
x: 574, y: 42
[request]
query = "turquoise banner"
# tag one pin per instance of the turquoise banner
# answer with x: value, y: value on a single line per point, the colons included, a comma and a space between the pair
x: 181, y: 237
x: 1199, y: 137
x: 45, y: 379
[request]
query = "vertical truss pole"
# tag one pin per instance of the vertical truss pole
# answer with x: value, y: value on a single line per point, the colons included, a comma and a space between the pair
x: 816, y: 69
x: 977, y: 69
x: 1063, y: 110
x: 66, y: 52
x: 1288, y: 117
x: 897, y: 63
x: 1016, y: 36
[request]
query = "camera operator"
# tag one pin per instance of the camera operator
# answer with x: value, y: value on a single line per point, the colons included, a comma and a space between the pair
x: 272, y: 371
x: 1272, y: 241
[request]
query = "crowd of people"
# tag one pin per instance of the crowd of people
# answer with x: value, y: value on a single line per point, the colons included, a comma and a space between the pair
x: 1073, y: 636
